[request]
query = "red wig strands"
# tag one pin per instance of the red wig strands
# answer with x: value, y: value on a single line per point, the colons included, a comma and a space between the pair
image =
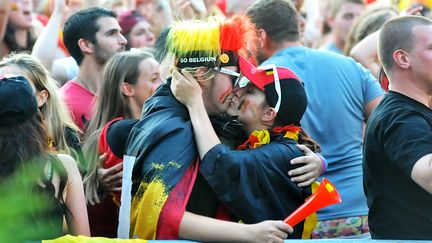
x: 238, y: 34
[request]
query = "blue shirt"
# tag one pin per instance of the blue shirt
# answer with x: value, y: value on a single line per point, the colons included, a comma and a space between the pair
x: 331, y: 47
x: 338, y: 89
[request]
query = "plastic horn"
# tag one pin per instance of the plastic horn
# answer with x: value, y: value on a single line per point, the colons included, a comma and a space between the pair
x: 325, y: 195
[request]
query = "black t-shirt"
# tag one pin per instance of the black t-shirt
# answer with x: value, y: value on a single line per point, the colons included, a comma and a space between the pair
x: 398, y: 134
x: 117, y: 135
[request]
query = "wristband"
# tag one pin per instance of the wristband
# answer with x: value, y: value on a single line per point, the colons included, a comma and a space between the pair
x: 323, y: 163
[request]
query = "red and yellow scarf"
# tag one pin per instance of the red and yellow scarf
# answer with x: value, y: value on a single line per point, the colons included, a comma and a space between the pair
x: 261, y: 137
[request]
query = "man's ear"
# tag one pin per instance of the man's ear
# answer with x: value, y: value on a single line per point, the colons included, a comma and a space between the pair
x: 269, y: 114
x: 266, y: 44
x: 401, y: 59
x: 85, y: 45
x: 42, y: 97
x: 262, y: 37
x: 127, y: 89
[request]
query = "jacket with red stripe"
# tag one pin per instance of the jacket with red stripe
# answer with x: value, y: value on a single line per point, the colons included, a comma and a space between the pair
x: 165, y: 169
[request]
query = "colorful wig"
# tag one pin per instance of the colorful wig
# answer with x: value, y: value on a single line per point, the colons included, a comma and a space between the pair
x: 211, y: 43
x: 404, y: 4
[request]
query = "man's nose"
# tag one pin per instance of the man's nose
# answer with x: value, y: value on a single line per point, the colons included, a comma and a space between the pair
x: 122, y: 40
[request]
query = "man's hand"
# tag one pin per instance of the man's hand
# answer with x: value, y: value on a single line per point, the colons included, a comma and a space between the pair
x: 110, y: 180
x: 269, y: 231
x: 186, y: 89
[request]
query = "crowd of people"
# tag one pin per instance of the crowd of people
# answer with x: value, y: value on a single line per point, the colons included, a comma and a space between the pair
x: 213, y: 120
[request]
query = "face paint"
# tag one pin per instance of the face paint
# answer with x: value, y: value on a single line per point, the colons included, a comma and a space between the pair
x: 254, y: 112
x: 243, y: 105
x: 225, y: 95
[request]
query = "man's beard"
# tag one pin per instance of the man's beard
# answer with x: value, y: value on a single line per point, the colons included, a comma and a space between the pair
x: 102, y: 56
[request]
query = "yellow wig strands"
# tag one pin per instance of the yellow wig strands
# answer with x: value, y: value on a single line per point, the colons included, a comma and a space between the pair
x: 194, y: 36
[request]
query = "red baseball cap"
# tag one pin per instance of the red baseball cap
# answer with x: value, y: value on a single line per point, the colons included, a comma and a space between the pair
x: 263, y: 76
x: 283, y: 89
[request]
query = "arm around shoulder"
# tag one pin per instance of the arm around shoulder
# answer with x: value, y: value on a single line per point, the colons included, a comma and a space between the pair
x: 76, y: 217
x: 422, y: 172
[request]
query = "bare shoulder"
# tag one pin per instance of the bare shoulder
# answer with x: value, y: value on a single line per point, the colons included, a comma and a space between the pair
x: 69, y: 163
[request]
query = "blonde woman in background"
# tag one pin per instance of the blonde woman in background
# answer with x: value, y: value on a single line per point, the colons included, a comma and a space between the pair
x: 368, y: 22
x: 63, y: 134
x: 129, y: 78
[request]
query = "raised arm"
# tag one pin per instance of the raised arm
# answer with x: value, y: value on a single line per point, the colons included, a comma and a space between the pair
x: 5, y: 8
x: 50, y: 35
x: 365, y: 52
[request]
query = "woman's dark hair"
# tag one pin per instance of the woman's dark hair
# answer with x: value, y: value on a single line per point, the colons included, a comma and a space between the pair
x: 111, y: 103
x: 11, y: 43
x: 303, y: 137
x: 306, y: 140
x: 25, y: 145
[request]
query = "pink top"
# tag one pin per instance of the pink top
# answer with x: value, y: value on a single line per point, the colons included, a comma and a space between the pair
x: 79, y: 101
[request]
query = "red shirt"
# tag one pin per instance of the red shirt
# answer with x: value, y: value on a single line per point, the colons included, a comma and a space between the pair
x: 79, y: 101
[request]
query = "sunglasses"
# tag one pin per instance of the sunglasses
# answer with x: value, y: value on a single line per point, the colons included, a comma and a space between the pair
x: 237, y: 79
x: 240, y: 81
